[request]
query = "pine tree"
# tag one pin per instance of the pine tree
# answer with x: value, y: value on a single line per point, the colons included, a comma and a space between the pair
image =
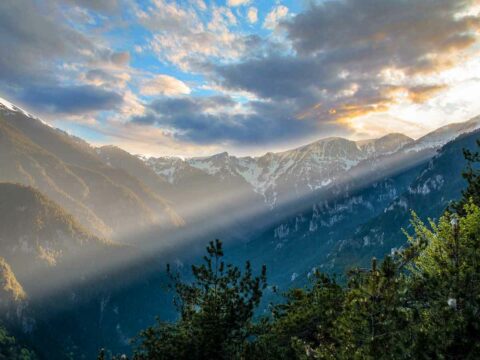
x: 446, y: 285
x: 472, y: 175
x: 216, y: 310
x: 304, y: 319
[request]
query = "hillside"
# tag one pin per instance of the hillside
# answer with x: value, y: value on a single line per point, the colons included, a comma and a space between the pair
x: 37, y: 236
x: 70, y: 172
x: 11, y: 291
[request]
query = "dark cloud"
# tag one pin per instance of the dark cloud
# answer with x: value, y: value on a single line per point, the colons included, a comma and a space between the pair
x: 99, y: 75
x: 70, y: 100
x: 104, y: 6
x: 40, y: 50
x: 213, y: 119
x: 31, y: 39
x: 405, y: 32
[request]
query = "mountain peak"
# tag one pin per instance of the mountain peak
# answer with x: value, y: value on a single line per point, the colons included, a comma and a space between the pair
x: 384, y: 145
x: 12, y: 107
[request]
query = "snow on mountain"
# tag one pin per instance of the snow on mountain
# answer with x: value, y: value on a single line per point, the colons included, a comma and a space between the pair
x: 7, y: 105
x: 295, y: 171
x: 443, y: 135
x: 385, y: 145
x: 310, y: 167
x: 167, y: 167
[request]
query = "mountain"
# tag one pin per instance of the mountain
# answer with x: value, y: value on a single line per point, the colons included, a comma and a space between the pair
x: 37, y: 235
x: 384, y: 145
x: 336, y: 232
x: 202, y: 193
x: 275, y: 176
x: 439, y: 137
x: 24, y: 162
x: 304, y: 239
x: 429, y: 194
x: 108, y: 201
x: 158, y: 193
x: 285, y: 176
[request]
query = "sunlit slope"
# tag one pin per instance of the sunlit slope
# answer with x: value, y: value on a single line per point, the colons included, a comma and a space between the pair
x: 119, y: 200
x: 24, y: 162
x: 11, y: 291
x: 35, y: 230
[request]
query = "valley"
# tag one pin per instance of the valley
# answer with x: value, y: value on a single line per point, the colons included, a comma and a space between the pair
x: 98, y: 225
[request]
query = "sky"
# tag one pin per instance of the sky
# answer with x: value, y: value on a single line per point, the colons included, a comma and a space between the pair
x: 197, y: 77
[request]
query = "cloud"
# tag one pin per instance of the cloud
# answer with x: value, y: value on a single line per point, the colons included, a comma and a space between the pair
x: 70, y: 99
x: 164, y: 85
x: 201, y: 4
x: 420, y: 94
x: 183, y: 38
x: 313, y: 73
x: 53, y: 66
x: 149, y: 140
x: 99, y: 77
x: 104, y: 6
x: 350, y: 58
x: 274, y: 16
x: 34, y: 40
x: 238, y: 2
x: 220, y: 119
x: 120, y: 58
x: 252, y: 15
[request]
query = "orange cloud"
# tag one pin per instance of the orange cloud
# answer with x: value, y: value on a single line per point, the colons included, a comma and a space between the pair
x: 420, y: 94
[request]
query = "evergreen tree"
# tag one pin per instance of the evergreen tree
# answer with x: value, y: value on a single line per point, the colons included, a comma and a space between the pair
x: 11, y: 350
x: 445, y: 285
x: 472, y: 175
x: 374, y: 317
x: 304, y: 319
x: 216, y: 311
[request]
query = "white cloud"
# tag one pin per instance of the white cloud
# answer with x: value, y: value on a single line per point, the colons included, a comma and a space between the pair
x: 274, y: 16
x: 237, y: 2
x: 201, y: 4
x: 164, y: 85
x: 182, y: 37
x: 252, y: 15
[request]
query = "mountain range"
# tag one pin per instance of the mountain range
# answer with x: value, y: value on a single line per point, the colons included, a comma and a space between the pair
x: 276, y: 176
x: 69, y: 209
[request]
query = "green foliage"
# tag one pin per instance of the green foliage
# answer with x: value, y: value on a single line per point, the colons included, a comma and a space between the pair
x: 446, y: 281
x: 472, y: 175
x: 11, y: 350
x: 216, y: 311
x: 306, y: 315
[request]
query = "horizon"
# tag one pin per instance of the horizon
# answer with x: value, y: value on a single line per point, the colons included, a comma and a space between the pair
x: 256, y: 155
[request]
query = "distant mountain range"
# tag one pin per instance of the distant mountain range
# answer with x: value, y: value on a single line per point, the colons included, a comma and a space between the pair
x: 278, y: 177
x: 66, y: 208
